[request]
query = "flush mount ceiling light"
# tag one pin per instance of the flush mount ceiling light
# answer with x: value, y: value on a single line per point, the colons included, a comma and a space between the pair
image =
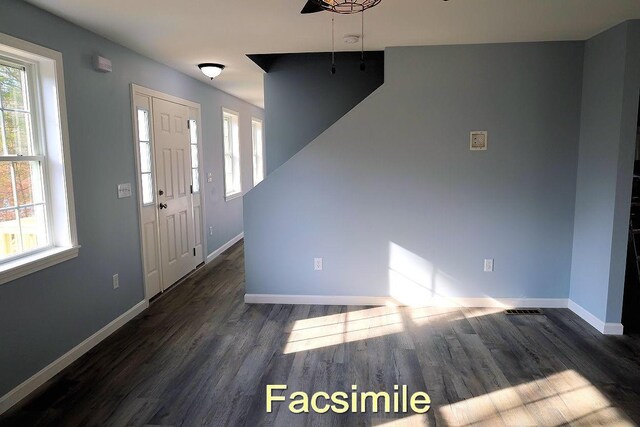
x: 210, y: 69
x: 352, y: 39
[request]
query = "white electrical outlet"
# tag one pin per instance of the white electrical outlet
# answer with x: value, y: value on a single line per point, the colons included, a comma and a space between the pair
x: 317, y: 264
x: 116, y: 281
x: 210, y: 177
x: 488, y: 265
x: 210, y: 231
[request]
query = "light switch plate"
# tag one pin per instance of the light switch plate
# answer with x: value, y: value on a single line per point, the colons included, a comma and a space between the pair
x: 124, y: 190
x: 478, y: 140
x: 488, y: 265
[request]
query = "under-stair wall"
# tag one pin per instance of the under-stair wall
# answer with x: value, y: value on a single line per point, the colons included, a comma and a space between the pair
x: 607, y: 144
x: 303, y: 98
x: 397, y: 205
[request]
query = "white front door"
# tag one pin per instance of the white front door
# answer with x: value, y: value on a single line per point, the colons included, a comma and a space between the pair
x: 173, y: 189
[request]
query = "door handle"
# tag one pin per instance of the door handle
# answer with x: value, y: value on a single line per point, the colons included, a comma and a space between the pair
x: 163, y: 206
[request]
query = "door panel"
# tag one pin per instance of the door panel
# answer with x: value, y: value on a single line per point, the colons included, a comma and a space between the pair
x: 177, y: 236
x: 181, y: 179
x: 167, y: 176
x: 151, y: 252
x: 148, y: 213
x: 170, y: 241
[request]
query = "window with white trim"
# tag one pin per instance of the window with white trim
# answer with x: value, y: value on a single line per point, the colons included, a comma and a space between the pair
x: 193, y: 139
x: 144, y: 145
x: 37, y: 223
x: 257, y: 138
x: 231, y: 144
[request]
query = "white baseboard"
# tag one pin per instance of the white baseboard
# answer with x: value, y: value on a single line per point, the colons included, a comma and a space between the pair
x: 314, y: 299
x: 587, y: 316
x: 215, y: 254
x: 442, y: 302
x: 48, y: 372
x: 604, y: 328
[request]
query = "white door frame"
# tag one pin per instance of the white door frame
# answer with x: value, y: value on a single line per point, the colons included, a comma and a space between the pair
x: 195, y: 112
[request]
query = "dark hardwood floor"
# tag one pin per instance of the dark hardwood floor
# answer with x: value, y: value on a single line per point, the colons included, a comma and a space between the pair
x: 200, y: 356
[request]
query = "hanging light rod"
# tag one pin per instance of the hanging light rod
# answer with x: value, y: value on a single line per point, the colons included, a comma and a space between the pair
x: 211, y: 69
x: 342, y: 7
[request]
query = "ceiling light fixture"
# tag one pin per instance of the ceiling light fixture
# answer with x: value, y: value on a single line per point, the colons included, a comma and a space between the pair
x: 347, y: 7
x: 342, y: 7
x: 351, y: 39
x: 211, y: 70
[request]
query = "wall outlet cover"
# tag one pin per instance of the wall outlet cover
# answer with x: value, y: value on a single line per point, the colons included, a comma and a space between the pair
x: 317, y: 264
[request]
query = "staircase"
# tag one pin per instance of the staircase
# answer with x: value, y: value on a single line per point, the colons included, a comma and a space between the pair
x: 631, y: 306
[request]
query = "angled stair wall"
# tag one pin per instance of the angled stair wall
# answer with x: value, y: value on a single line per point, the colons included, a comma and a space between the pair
x: 397, y: 205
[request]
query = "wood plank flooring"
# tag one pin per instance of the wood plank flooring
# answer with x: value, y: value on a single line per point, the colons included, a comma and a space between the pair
x: 200, y: 356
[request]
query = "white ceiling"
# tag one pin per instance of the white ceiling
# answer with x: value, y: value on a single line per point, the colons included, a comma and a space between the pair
x: 182, y: 34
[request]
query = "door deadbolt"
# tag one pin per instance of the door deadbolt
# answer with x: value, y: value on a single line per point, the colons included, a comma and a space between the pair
x: 160, y: 192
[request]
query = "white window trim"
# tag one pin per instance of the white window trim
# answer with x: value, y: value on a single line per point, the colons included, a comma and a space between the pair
x: 51, y: 91
x: 238, y: 193
x: 233, y: 196
x: 253, y: 154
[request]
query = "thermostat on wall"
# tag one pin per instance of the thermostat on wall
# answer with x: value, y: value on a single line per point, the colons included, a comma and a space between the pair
x: 478, y: 140
x: 124, y: 190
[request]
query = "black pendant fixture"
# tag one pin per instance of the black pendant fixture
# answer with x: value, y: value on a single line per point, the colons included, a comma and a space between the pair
x: 342, y: 7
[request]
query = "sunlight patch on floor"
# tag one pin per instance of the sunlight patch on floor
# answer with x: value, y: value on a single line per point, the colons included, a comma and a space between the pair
x: 335, y: 329
x: 341, y: 328
x: 560, y: 398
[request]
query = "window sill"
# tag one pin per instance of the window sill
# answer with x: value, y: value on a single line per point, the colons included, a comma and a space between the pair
x: 233, y: 196
x: 30, y: 264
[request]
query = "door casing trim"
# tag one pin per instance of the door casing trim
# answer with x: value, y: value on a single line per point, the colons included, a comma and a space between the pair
x: 151, y: 93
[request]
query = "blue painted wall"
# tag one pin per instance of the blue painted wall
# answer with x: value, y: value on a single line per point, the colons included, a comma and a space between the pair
x: 302, y: 97
x: 392, y: 187
x: 46, y: 314
x: 607, y: 147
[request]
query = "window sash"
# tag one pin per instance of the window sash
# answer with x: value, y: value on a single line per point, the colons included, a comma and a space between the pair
x: 30, y: 111
x: 19, y: 207
x: 34, y: 133
x: 143, y: 136
x: 195, y: 153
x: 231, y: 146
x: 258, y: 151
